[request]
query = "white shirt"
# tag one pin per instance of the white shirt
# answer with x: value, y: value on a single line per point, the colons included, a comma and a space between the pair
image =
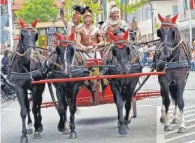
x: 110, y: 22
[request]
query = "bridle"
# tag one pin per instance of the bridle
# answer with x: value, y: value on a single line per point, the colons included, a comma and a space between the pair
x: 22, y: 43
x: 173, y: 48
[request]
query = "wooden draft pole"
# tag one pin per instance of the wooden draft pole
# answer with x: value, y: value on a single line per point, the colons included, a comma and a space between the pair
x: 96, y: 77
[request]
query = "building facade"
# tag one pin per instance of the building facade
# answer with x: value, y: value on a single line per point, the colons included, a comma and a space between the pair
x: 184, y: 22
x: 148, y: 14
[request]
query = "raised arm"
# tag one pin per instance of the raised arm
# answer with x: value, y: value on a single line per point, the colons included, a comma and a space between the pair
x: 64, y: 20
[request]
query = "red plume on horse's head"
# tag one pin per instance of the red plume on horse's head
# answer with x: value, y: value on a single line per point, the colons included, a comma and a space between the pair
x: 162, y: 19
x: 34, y: 23
x: 174, y: 19
x: 22, y: 24
x: 112, y: 36
x: 71, y: 36
x: 60, y: 37
x: 125, y: 36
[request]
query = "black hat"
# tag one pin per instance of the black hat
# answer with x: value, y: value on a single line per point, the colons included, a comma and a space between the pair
x: 78, y: 8
x: 101, y: 22
x: 87, y: 8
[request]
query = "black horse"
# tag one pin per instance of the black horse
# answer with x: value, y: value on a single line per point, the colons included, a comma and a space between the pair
x: 121, y: 58
x: 173, y: 57
x: 63, y: 67
x: 23, y: 68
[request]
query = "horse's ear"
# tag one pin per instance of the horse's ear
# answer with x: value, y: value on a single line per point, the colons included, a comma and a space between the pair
x: 113, y: 51
x: 22, y: 24
x: 162, y: 19
x: 158, y: 33
x: 112, y: 36
x: 34, y: 23
x: 59, y: 36
x: 71, y: 36
x: 173, y: 19
x: 126, y: 35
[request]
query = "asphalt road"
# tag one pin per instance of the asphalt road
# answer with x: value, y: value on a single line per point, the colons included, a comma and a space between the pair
x: 98, y: 124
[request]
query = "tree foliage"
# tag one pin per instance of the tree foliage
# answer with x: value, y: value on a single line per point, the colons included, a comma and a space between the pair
x: 130, y: 8
x: 94, y: 6
x: 44, y: 10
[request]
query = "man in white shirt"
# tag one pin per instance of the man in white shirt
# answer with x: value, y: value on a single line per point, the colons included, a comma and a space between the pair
x: 113, y: 23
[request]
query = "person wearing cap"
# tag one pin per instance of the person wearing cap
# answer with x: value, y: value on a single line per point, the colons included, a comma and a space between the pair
x: 75, y: 24
x: 113, y: 23
x: 89, y: 37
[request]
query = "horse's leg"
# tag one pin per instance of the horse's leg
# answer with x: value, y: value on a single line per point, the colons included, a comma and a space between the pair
x: 165, y: 94
x: 162, y: 117
x: 23, y: 112
x: 130, y: 92
x: 104, y: 84
x: 181, y: 87
x: 29, y: 130
x: 60, y: 94
x: 75, y: 91
x: 173, y: 91
x: 119, y: 103
x: 89, y: 86
x: 37, y: 91
x: 66, y: 123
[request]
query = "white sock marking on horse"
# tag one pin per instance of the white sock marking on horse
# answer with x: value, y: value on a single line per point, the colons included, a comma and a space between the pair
x: 166, y: 118
x: 182, y: 120
x: 162, y: 111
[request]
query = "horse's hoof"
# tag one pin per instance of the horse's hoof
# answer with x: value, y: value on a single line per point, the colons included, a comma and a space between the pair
x: 29, y: 131
x: 122, y: 130
x: 73, y: 135
x: 182, y: 130
x: 168, y: 128
x: 66, y: 131
x: 162, y: 120
x: 40, y: 129
x: 24, y: 140
x: 175, y: 121
x: 127, y: 124
x: 61, y: 129
x: 37, y: 135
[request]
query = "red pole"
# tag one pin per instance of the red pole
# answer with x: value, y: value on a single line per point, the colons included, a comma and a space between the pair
x: 97, y: 77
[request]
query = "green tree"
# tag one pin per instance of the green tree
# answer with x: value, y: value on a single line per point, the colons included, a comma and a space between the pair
x: 44, y: 10
x: 130, y: 8
x: 94, y: 6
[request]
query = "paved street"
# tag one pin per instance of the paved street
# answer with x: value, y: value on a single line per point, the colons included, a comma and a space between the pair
x: 98, y: 124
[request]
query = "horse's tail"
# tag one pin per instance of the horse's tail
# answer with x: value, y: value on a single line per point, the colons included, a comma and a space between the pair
x: 173, y: 90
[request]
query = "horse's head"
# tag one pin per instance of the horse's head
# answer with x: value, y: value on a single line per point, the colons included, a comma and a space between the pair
x: 168, y: 33
x: 65, y: 51
x: 121, y: 49
x: 28, y: 36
